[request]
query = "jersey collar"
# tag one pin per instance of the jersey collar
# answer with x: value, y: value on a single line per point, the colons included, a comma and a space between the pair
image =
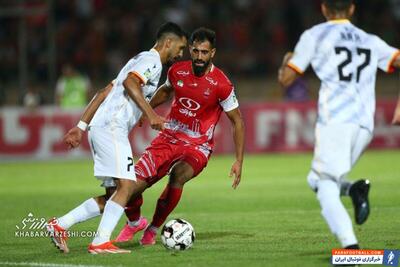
x: 154, y: 50
x: 339, y: 21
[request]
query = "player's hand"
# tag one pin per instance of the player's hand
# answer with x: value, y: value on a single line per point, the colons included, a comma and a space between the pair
x: 396, y: 116
x: 73, y: 137
x: 157, y: 122
x: 237, y: 171
x: 286, y: 58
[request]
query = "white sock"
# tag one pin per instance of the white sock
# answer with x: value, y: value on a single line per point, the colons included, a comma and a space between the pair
x: 334, y: 212
x: 83, y: 212
x: 111, y: 215
x: 152, y: 228
x: 134, y: 223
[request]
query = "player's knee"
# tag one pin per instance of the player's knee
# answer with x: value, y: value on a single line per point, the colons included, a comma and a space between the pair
x: 180, y: 174
x: 126, y: 187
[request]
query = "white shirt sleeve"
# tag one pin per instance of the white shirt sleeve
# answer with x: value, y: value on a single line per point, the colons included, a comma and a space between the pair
x: 386, y: 54
x: 144, y: 68
x: 230, y: 103
x: 303, y: 53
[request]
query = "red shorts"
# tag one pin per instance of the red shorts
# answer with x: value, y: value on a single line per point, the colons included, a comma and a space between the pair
x: 163, y: 153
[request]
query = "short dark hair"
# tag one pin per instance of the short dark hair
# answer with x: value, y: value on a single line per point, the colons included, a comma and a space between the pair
x: 203, y: 34
x: 170, y: 27
x: 338, y: 5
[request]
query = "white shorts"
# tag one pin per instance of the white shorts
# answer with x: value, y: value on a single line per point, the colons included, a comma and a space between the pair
x: 112, y: 155
x: 337, y: 149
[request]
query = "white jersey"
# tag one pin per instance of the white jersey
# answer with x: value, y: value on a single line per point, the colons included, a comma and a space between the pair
x: 346, y: 59
x: 118, y: 109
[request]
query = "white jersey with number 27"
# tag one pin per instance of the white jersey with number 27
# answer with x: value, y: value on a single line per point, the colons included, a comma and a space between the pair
x: 346, y: 59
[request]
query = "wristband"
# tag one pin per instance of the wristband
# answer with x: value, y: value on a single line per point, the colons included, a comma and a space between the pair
x: 82, y: 125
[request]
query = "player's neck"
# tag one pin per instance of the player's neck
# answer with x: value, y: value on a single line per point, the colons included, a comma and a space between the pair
x: 161, y: 52
x: 207, y: 70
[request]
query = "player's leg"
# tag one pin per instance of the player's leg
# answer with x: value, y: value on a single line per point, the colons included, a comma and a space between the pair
x: 180, y: 173
x: 154, y: 164
x: 113, y: 158
x: 135, y: 222
x: 113, y: 211
x: 189, y: 166
x: 90, y: 208
x: 359, y: 190
x: 332, y: 160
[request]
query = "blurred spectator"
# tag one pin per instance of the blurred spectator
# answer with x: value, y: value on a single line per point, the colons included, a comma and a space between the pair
x: 97, y: 36
x: 32, y: 98
x: 72, y: 88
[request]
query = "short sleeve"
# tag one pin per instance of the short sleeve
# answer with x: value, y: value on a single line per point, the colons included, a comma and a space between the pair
x: 303, y: 53
x: 169, y: 77
x: 227, y: 98
x: 144, y: 67
x: 386, y: 55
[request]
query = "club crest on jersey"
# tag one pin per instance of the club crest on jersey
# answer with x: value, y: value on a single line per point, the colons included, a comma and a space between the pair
x: 189, y: 107
x: 210, y: 80
x: 147, y: 74
x: 179, y: 83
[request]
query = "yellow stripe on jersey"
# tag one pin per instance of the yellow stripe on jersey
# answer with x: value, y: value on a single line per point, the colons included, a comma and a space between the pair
x: 295, y: 68
x: 140, y: 77
x: 339, y: 21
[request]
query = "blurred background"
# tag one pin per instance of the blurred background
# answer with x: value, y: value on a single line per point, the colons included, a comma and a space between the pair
x: 48, y: 47
x: 97, y: 37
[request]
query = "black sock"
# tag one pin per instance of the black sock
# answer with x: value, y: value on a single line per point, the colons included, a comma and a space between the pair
x: 355, y: 246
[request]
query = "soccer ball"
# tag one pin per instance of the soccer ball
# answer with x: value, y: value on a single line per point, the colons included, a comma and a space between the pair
x: 178, y: 234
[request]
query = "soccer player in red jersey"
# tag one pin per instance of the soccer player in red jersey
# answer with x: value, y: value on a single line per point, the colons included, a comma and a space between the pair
x: 201, y: 92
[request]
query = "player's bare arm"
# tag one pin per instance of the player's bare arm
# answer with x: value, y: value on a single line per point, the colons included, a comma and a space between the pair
x: 286, y: 75
x: 396, y: 116
x: 73, y: 137
x: 132, y: 86
x: 162, y: 95
x: 238, y: 136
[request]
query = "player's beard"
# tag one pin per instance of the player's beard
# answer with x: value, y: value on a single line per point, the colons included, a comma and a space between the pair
x: 200, y: 70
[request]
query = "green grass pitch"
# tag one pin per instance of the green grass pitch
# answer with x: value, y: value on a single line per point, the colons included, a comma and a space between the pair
x: 272, y: 219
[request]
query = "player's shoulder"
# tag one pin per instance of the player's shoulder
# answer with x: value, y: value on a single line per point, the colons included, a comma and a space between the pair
x: 219, y: 76
x: 148, y: 56
x: 181, y: 66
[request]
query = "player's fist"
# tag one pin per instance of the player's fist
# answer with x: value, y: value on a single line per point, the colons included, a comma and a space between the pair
x: 396, y: 116
x: 237, y: 171
x: 157, y: 122
x: 73, y: 137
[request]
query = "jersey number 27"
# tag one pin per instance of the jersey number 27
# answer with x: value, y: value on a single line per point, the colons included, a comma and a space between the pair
x: 349, y: 58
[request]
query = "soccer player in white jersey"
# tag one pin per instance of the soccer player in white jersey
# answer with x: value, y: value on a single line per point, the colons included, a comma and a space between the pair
x: 124, y: 102
x: 345, y: 59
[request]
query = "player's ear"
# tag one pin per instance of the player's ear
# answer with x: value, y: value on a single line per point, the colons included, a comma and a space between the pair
x: 213, y: 52
x: 168, y: 42
x: 324, y: 10
x: 351, y: 10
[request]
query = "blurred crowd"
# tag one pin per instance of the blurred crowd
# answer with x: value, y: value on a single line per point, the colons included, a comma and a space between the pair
x: 99, y: 36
